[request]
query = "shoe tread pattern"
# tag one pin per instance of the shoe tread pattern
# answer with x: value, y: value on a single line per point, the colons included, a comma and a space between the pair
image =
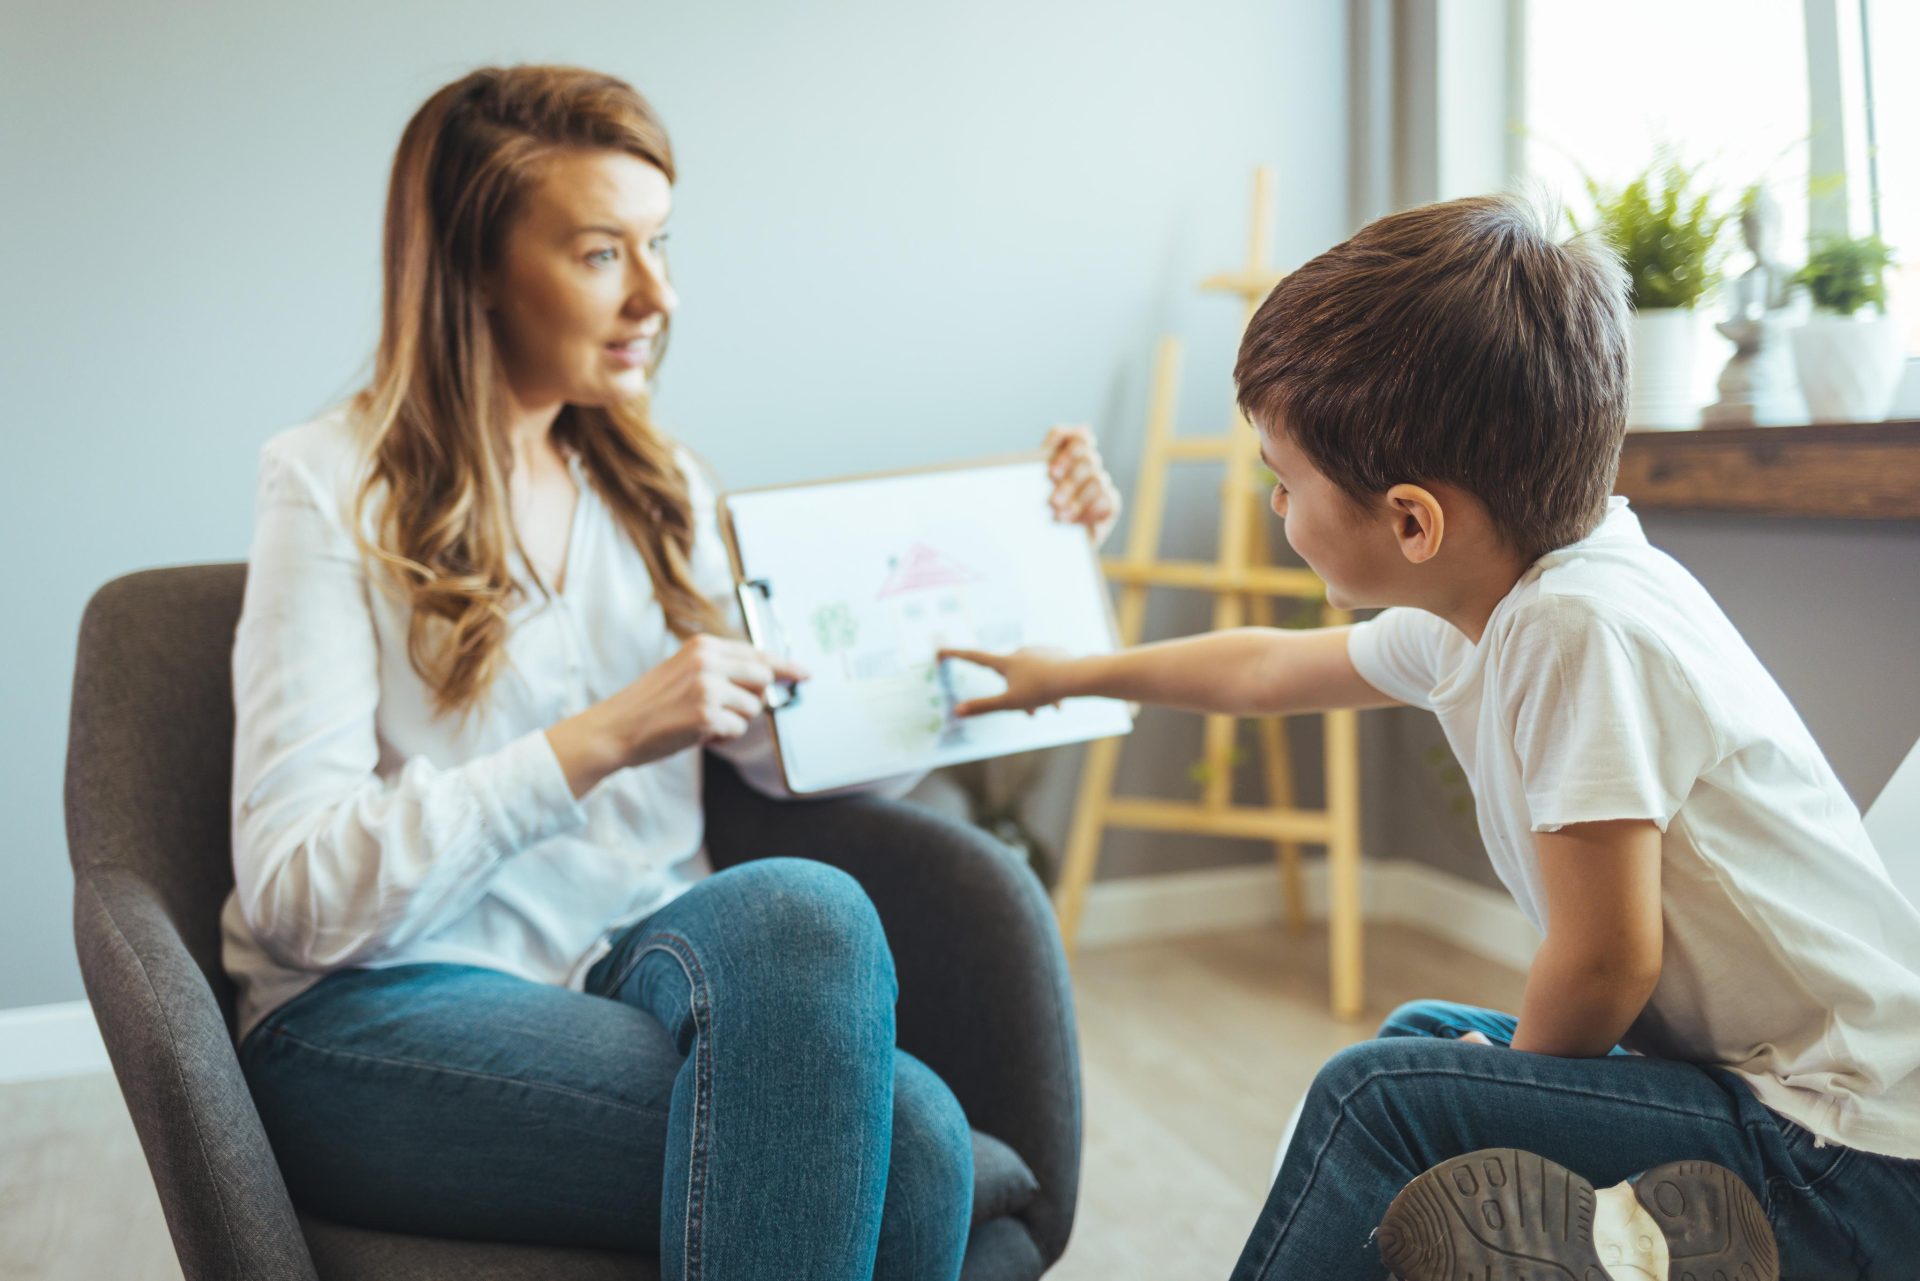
x: 1715, y: 1228
x: 1499, y: 1214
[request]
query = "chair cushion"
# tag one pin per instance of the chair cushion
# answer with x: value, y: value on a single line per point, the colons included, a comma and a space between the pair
x: 341, y: 1253
x: 1002, y: 1186
x: 1002, y: 1183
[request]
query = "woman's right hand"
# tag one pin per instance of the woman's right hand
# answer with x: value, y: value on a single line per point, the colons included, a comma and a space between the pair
x: 708, y: 692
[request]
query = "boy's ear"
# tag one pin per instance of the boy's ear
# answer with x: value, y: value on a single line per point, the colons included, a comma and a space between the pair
x: 1419, y: 524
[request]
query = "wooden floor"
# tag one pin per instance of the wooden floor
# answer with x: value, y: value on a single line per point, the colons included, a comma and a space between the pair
x: 1195, y: 1051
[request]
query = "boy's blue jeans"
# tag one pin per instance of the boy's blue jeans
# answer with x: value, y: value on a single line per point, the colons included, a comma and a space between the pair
x: 1385, y: 1110
x: 726, y: 1093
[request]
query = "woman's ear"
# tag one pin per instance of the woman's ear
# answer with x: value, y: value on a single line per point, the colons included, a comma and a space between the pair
x: 1419, y: 524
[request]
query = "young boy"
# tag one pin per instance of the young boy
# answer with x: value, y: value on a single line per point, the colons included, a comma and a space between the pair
x: 1443, y: 399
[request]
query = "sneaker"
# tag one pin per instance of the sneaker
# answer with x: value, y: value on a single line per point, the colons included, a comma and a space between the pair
x: 1501, y: 1214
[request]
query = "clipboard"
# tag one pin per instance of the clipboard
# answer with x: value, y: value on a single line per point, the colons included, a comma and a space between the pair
x: 862, y: 579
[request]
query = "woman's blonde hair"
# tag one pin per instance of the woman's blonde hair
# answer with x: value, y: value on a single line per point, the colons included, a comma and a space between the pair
x: 435, y: 409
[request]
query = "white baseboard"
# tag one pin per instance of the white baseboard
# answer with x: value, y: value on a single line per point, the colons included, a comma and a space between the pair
x: 39, y: 1041
x: 1480, y: 920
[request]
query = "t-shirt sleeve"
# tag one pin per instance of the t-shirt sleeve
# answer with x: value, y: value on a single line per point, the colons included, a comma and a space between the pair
x: 1606, y: 725
x: 1398, y: 652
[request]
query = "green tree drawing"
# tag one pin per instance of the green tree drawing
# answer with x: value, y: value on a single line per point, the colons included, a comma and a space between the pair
x: 835, y: 627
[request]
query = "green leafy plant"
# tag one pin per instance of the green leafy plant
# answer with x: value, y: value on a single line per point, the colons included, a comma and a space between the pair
x: 1846, y: 273
x: 1665, y: 232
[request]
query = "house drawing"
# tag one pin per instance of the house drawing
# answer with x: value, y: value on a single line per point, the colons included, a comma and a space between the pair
x: 928, y: 597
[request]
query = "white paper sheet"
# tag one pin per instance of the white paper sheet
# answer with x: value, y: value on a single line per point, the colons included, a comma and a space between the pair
x: 868, y: 578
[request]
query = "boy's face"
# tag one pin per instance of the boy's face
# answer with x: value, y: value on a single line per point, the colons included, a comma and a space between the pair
x: 1350, y: 547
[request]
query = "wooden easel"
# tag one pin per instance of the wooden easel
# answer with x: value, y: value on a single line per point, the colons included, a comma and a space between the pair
x: 1244, y: 584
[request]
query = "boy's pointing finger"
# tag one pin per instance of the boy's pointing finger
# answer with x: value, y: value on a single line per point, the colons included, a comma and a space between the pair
x: 976, y: 657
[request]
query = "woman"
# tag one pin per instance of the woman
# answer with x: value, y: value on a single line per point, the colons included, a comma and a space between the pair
x: 489, y: 986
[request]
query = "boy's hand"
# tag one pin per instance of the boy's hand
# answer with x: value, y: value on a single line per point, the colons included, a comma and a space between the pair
x: 1033, y: 679
x: 1083, y: 492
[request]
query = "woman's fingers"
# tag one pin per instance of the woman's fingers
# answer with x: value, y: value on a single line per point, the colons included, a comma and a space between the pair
x: 788, y: 670
x: 1084, y: 495
x: 751, y: 668
x: 1073, y: 452
x: 725, y: 725
x: 1074, y: 469
x: 1062, y: 437
x: 1072, y: 492
x: 743, y: 666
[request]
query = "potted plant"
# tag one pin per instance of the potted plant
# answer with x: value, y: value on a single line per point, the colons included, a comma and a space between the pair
x: 1665, y: 233
x: 1849, y: 360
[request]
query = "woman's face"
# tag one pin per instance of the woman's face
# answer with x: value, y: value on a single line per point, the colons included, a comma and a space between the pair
x: 580, y: 294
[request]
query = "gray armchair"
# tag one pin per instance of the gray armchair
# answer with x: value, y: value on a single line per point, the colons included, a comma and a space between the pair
x: 984, y: 998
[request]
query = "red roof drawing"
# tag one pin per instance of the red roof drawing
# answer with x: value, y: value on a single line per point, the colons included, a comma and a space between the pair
x: 924, y: 569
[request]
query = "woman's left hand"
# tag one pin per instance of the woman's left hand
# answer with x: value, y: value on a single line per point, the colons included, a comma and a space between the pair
x: 1083, y: 492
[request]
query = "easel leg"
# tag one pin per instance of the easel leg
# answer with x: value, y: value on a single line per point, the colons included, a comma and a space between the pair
x: 1276, y: 758
x: 1346, y: 960
x: 1082, y: 855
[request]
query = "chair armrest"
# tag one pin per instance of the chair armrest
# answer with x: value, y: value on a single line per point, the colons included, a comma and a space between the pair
x: 226, y: 1204
x: 984, y: 995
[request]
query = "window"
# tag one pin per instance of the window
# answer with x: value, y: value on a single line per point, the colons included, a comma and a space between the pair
x: 1806, y: 96
x: 1722, y: 82
x: 1892, y: 96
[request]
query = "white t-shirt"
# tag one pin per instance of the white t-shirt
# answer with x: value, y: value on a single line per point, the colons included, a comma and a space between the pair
x: 367, y: 831
x: 1608, y: 685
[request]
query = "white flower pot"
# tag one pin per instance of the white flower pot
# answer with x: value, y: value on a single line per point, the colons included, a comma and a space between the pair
x: 1664, y: 398
x: 1849, y: 366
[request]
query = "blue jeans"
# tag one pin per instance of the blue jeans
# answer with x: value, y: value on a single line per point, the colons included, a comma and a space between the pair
x: 726, y: 1093
x: 1385, y: 1110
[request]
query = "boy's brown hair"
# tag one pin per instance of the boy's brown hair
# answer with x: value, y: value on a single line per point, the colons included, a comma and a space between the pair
x: 1457, y: 342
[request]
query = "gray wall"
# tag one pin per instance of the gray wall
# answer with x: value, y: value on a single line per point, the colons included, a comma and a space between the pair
x: 905, y: 233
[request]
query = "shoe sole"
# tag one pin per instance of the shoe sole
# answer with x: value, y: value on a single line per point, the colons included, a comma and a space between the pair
x: 1501, y: 1214
x: 1712, y: 1221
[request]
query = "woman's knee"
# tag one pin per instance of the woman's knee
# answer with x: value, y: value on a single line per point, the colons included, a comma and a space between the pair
x: 817, y: 931
x: 929, y: 1202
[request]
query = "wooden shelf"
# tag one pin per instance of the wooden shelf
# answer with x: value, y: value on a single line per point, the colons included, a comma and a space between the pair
x: 1865, y: 471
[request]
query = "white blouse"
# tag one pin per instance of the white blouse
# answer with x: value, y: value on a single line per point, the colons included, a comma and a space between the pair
x: 367, y: 831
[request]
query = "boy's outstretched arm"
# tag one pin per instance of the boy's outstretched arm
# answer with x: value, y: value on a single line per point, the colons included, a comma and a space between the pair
x: 1250, y: 671
x: 1601, y: 957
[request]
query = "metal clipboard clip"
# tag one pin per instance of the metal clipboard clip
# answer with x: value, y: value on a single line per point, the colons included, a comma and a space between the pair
x: 764, y: 632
